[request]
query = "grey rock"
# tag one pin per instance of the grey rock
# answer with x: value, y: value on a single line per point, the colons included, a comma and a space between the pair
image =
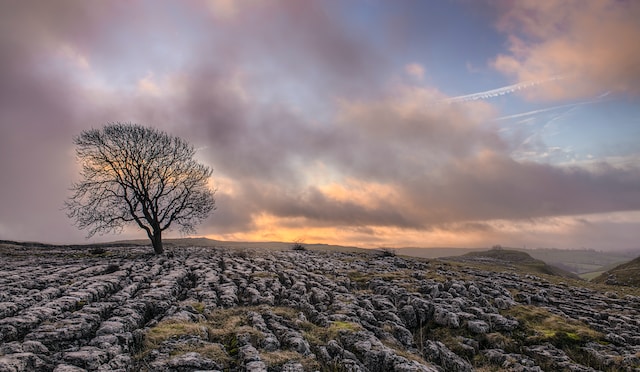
x: 478, y: 326
x: 446, y: 318
x: 270, y: 343
x: 438, y: 353
x: 555, y: 357
x: 88, y: 357
x: 255, y: 366
x: 192, y: 361
x: 615, y: 338
x: 34, y: 347
x: 408, y: 315
x: 22, y: 362
x: 68, y: 368
x: 248, y: 354
x: 292, y: 366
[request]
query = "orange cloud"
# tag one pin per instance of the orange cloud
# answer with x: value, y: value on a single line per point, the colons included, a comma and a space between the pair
x: 593, y: 44
x: 593, y: 231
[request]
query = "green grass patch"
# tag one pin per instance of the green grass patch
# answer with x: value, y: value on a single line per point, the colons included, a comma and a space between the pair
x: 321, y: 335
x: 540, y: 325
x: 198, y: 306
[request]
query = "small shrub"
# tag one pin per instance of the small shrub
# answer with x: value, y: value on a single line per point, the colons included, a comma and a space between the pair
x: 298, y: 247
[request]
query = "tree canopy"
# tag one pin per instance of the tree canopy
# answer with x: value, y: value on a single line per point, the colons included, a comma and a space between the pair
x: 133, y: 174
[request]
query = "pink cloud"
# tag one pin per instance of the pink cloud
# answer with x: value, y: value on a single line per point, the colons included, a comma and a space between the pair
x: 592, y: 43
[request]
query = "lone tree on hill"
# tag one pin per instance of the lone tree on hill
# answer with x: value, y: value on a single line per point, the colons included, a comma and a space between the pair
x: 135, y: 174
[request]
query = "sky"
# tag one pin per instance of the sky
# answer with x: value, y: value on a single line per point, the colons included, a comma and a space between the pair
x: 371, y: 123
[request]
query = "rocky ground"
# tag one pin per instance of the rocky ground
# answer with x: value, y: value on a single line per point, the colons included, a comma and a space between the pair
x: 64, y: 309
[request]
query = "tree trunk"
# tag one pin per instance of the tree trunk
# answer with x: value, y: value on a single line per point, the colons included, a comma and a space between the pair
x: 156, y: 241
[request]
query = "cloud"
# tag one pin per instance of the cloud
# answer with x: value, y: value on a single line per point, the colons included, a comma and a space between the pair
x: 415, y: 70
x: 493, y: 186
x: 594, y: 43
x: 400, y: 163
x: 300, y: 117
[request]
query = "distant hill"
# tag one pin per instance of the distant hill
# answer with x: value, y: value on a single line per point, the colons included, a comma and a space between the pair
x: 626, y: 274
x: 435, y: 251
x: 277, y: 246
x: 512, y: 258
x: 583, y: 262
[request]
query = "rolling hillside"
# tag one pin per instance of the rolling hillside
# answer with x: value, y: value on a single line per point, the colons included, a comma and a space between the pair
x: 518, y: 260
x: 625, y: 274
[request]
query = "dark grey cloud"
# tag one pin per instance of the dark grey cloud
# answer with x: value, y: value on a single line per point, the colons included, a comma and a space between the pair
x: 495, y: 186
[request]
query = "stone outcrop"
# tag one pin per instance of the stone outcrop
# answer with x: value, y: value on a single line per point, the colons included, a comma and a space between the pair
x: 217, y: 309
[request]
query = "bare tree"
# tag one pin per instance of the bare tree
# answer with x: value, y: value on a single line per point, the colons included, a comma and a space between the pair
x: 137, y: 175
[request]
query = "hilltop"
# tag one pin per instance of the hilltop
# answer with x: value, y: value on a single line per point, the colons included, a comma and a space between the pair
x: 514, y: 260
x: 212, y: 308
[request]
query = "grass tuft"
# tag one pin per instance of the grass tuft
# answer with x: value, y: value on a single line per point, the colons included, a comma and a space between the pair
x: 166, y: 330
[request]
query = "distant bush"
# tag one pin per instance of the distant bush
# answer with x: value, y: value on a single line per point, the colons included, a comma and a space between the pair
x: 298, y: 247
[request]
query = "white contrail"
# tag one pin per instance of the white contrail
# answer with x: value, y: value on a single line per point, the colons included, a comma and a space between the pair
x: 597, y: 99
x: 499, y: 91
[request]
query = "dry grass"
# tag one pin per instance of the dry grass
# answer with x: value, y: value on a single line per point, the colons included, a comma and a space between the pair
x: 263, y: 274
x: 404, y: 353
x: 221, y: 326
x: 171, y: 329
x: 280, y: 357
x: 275, y: 359
x: 213, y: 351
x: 335, y: 328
